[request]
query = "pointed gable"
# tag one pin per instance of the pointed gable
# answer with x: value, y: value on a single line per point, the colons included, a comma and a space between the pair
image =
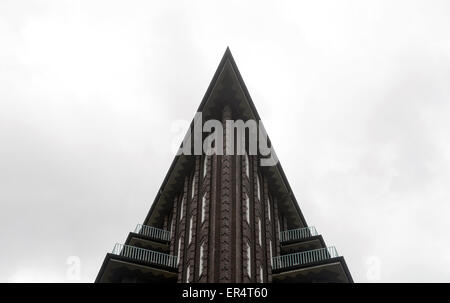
x: 226, y: 88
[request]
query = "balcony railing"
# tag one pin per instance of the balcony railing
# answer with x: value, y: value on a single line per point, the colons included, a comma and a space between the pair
x: 145, y: 255
x: 152, y: 232
x: 299, y: 233
x: 311, y: 256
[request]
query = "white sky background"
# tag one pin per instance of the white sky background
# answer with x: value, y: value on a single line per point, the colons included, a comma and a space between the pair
x: 354, y: 95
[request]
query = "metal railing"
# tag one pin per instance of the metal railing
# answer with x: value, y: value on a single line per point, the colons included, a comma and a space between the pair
x: 299, y: 233
x: 152, y: 232
x: 304, y: 257
x: 146, y: 255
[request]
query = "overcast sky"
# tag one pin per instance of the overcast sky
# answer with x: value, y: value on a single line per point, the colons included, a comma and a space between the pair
x: 354, y: 96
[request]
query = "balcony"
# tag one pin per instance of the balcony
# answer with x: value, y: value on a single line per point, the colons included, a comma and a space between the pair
x: 317, y: 265
x: 298, y: 234
x: 301, y: 258
x: 152, y: 232
x: 128, y: 263
x: 145, y: 255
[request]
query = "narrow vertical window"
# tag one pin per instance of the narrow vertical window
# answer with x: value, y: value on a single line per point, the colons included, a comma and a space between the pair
x: 270, y: 249
x: 203, y: 207
x: 190, y: 230
x: 188, y: 273
x: 268, y: 208
x: 179, y: 251
x: 278, y: 223
x: 247, y: 165
x: 247, y: 206
x: 258, y: 187
x: 193, y: 188
x: 249, y: 261
x: 261, y: 274
x: 205, y: 165
x: 181, y: 209
x: 260, y: 232
x: 200, y: 267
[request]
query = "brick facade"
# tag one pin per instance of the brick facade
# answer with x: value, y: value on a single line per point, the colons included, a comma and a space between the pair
x: 220, y: 219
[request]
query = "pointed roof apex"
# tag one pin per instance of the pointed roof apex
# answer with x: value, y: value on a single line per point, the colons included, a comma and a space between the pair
x: 227, y: 54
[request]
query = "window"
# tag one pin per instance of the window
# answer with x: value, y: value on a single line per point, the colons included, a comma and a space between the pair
x: 249, y: 263
x: 268, y: 208
x: 247, y: 206
x: 278, y: 223
x: 261, y: 274
x: 179, y: 251
x: 181, y: 209
x: 188, y: 273
x: 260, y: 231
x: 247, y: 166
x: 270, y: 249
x: 258, y: 187
x: 193, y: 188
x: 200, y: 267
x: 190, y: 229
x: 205, y: 166
x: 203, y: 207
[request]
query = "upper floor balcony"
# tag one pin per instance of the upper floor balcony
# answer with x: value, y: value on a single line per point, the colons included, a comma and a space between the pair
x: 298, y: 234
x: 153, y: 232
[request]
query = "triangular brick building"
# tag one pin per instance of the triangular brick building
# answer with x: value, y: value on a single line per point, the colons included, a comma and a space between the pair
x: 224, y: 218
